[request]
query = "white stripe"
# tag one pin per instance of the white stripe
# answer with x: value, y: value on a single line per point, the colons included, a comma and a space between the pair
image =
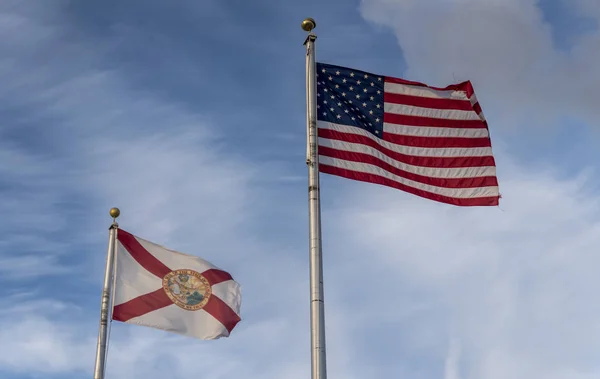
x: 434, y: 172
x: 473, y: 102
x: 410, y: 110
x: 410, y: 150
x: 473, y: 99
x: 426, y: 131
x: 460, y: 193
x: 411, y: 90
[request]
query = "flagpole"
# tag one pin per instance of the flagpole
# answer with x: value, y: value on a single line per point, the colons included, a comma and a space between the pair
x: 106, y: 298
x: 317, y: 309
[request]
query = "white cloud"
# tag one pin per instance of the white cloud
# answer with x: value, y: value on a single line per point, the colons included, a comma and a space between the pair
x: 504, y: 47
x: 170, y: 172
x: 468, y: 293
x: 30, y: 189
x: 452, y: 368
x: 514, y: 285
x: 32, y: 343
x: 52, y: 337
x: 165, y: 166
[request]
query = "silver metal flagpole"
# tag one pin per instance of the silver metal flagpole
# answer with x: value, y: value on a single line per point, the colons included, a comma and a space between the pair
x: 106, y: 298
x: 317, y: 309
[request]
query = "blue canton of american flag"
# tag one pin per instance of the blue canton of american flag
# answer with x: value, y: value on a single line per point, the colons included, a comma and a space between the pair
x: 350, y: 97
x: 431, y: 142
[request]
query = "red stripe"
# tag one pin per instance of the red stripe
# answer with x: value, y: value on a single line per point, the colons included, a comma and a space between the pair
x: 141, y: 305
x: 468, y: 88
x: 436, y: 142
x: 141, y: 255
x: 222, y: 312
x: 483, y: 181
x: 216, y: 276
x: 371, y: 178
x: 427, y: 102
x: 439, y: 162
x: 431, y: 122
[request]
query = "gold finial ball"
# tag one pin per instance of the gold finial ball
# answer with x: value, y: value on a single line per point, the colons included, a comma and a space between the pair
x: 114, y: 212
x: 308, y: 24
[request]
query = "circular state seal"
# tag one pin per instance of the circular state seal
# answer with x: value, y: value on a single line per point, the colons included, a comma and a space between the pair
x: 188, y: 289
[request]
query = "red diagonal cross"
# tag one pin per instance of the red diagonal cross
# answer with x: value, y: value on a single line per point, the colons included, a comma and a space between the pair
x: 158, y: 299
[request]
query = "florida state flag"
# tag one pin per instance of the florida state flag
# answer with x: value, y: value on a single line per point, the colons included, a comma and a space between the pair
x: 168, y: 290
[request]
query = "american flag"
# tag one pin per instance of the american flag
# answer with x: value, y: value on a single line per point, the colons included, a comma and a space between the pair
x: 430, y: 142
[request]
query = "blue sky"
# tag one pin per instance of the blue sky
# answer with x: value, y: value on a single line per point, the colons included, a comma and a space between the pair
x: 190, y: 117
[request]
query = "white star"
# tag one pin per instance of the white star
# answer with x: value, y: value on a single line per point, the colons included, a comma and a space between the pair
x: 377, y: 119
x: 331, y: 109
x: 370, y: 112
x: 372, y: 84
x: 372, y: 98
x: 378, y: 92
x: 378, y: 79
x: 366, y: 76
x: 323, y: 70
x: 345, y: 110
x: 332, y: 96
x: 324, y: 101
x: 358, y: 96
x: 365, y: 90
x: 358, y: 82
x: 352, y: 74
x: 378, y: 106
x: 318, y: 95
x: 364, y: 104
x: 351, y: 88
x: 344, y: 94
x: 352, y: 118
x: 330, y: 78
x: 337, y: 72
x: 377, y: 132
x: 337, y: 86
x: 324, y: 113
x: 339, y: 104
x: 344, y: 80
x: 318, y: 106
x: 338, y: 116
x: 325, y: 90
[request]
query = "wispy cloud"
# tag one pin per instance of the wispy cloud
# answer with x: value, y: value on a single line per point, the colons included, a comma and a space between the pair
x: 512, y: 283
x: 413, y: 288
x: 505, y: 47
x: 452, y: 365
x: 176, y: 182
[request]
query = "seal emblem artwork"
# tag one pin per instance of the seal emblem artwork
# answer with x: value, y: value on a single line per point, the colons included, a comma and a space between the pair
x: 188, y: 289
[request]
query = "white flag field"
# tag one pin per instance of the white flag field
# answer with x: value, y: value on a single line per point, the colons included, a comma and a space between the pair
x: 165, y: 289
